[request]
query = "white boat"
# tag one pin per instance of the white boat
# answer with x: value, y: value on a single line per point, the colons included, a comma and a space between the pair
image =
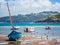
x: 32, y: 29
x: 29, y: 29
x: 48, y: 27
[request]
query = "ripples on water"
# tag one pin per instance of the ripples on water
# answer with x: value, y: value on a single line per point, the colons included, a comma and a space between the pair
x: 38, y: 31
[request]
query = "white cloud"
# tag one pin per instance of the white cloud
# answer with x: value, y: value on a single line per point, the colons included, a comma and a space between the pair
x: 56, y: 7
x: 1, y: 0
x: 29, y: 6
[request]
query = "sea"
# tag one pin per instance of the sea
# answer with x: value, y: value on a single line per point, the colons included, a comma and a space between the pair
x: 39, y: 29
x: 29, y: 24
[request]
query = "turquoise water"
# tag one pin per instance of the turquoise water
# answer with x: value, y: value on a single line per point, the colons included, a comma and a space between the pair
x: 30, y: 24
x: 39, y: 28
x: 38, y: 31
x: 54, y: 32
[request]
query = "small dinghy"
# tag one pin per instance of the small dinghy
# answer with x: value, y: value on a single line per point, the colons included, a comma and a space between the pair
x: 48, y: 27
x: 29, y: 29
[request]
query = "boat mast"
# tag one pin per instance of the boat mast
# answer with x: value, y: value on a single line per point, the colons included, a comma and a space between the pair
x: 9, y: 14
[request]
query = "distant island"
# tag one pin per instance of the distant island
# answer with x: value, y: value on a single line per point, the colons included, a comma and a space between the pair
x: 45, y: 16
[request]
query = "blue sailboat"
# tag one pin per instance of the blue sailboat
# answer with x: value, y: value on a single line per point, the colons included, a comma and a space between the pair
x: 14, y: 34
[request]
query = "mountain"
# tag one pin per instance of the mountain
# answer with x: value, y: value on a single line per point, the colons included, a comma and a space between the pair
x: 53, y: 18
x: 33, y: 17
x: 48, y: 12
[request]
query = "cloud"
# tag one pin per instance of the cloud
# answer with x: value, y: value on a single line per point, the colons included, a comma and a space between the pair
x: 1, y: 0
x: 29, y: 6
x: 56, y: 7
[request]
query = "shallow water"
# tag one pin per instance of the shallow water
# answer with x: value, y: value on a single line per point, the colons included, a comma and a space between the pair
x: 38, y: 31
x: 11, y: 43
x: 30, y: 24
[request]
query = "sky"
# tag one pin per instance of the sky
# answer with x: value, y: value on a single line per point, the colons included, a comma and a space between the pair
x: 28, y: 6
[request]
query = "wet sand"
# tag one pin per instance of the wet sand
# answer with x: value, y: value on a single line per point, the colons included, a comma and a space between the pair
x: 3, y: 38
x: 28, y: 41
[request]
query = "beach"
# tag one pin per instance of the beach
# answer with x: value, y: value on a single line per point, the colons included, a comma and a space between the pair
x: 28, y: 41
x: 3, y: 38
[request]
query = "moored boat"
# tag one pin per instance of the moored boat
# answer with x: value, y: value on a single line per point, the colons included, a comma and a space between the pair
x: 48, y: 27
x: 14, y: 35
x: 29, y: 29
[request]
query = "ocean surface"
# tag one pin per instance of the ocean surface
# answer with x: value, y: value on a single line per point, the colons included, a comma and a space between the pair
x: 29, y: 24
x: 38, y: 31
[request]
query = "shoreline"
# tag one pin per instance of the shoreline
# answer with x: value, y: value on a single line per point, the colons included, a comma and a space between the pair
x: 29, y: 41
x: 31, y: 37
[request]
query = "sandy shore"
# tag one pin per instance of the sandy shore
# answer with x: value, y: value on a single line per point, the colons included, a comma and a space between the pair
x: 3, y: 38
x: 28, y: 41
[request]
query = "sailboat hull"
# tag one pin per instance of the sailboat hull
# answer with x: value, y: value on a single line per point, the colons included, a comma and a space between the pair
x: 14, y: 35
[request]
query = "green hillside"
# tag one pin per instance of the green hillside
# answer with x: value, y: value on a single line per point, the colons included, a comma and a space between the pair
x: 55, y: 17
